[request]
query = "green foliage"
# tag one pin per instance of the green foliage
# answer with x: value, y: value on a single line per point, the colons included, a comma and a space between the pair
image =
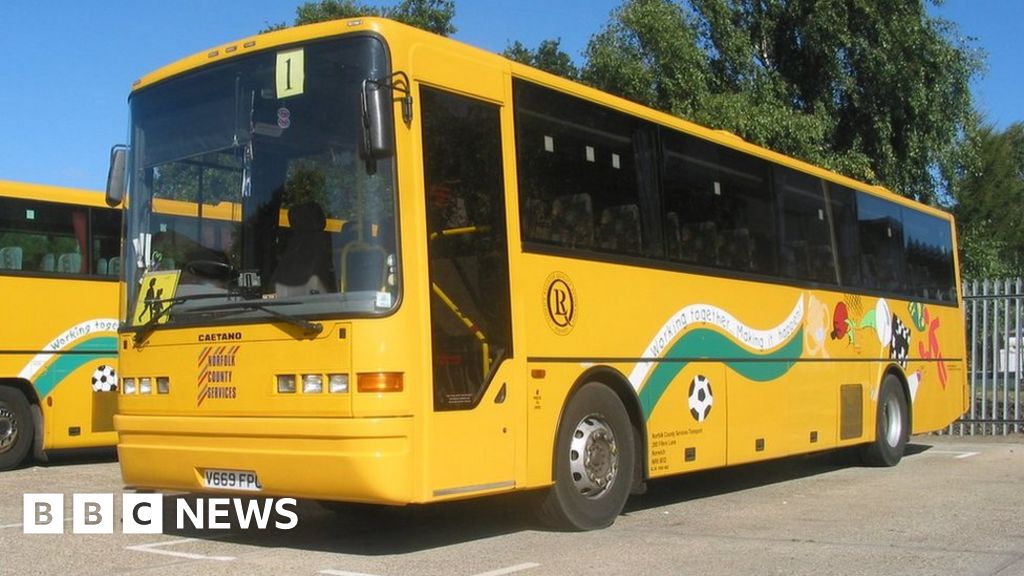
x: 217, y: 177
x: 306, y: 182
x: 649, y: 52
x: 432, y: 15
x: 548, y: 57
x: 876, y: 90
x: 989, y: 194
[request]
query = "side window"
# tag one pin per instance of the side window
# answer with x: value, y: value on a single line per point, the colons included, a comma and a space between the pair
x: 43, y: 237
x: 843, y: 202
x: 466, y: 245
x: 929, y: 250
x: 105, y: 241
x: 718, y: 206
x: 580, y: 177
x: 881, y: 243
x: 806, y: 237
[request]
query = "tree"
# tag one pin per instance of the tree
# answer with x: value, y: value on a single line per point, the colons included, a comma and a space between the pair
x: 989, y: 193
x: 432, y: 15
x: 649, y: 52
x: 877, y: 90
x: 548, y: 57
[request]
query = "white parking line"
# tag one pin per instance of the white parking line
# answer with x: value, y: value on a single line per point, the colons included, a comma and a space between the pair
x: 153, y: 549
x: 498, y: 572
x: 959, y: 454
x: 510, y: 569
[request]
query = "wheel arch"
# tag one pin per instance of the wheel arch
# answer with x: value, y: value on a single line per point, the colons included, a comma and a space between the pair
x: 896, y: 371
x: 35, y: 408
x: 24, y: 386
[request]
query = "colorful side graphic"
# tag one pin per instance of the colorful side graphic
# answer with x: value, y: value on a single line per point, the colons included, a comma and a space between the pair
x: 702, y: 332
x: 73, y: 348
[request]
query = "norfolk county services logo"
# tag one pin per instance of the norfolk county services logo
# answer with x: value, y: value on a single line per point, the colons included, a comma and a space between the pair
x: 561, y: 303
x: 216, y: 371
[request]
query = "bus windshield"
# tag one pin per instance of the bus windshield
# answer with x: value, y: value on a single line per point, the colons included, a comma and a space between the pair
x: 247, y: 183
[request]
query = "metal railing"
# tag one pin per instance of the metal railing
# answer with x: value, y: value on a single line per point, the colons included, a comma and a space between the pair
x: 995, y: 327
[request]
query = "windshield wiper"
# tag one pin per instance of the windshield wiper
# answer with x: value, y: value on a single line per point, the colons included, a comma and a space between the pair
x: 308, y: 327
x: 166, y: 304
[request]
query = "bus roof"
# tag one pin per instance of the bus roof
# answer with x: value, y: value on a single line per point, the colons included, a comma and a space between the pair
x: 52, y: 193
x: 410, y: 36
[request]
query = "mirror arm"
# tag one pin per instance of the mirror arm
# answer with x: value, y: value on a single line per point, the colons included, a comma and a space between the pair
x: 399, y: 81
x: 402, y: 85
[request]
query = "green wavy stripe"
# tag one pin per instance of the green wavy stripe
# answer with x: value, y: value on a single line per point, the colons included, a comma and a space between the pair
x: 104, y: 347
x: 710, y: 345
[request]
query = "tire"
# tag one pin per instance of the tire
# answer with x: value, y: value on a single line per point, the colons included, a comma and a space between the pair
x: 16, y: 428
x: 892, y: 426
x: 594, y: 459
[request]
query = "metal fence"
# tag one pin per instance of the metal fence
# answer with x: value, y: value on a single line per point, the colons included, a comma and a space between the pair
x: 995, y: 327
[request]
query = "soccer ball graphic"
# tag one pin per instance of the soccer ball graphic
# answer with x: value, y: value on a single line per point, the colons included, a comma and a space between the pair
x: 104, y: 379
x: 701, y: 398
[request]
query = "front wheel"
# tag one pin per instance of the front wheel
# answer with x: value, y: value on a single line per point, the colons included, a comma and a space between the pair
x: 593, y: 461
x: 892, y: 426
x: 16, y: 428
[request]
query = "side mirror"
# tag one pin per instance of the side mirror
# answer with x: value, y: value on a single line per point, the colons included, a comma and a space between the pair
x: 116, y: 175
x: 378, y: 118
x: 378, y: 98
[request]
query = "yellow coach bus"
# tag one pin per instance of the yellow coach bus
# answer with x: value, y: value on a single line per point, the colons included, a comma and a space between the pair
x: 535, y: 286
x: 59, y: 264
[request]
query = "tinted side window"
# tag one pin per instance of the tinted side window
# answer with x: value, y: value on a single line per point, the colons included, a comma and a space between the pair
x: 804, y: 231
x: 843, y: 204
x: 470, y: 310
x: 43, y: 237
x: 718, y: 206
x: 929, y: 250
x: 579, y: 174
x: 881, y: 242
x: 105, y: 241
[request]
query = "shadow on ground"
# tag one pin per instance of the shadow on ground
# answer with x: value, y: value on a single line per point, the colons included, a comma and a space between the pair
x: 373, y: 531
x: 76, y: 457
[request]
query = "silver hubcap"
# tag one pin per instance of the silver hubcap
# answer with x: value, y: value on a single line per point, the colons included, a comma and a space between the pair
x: 593, y: 457
x: 8, y: 428
x: 893, y: 422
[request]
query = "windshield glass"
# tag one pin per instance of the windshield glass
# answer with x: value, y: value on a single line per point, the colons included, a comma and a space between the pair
x: 248, y: 183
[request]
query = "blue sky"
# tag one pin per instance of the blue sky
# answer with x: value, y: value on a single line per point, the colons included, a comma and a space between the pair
x: 68, y: 65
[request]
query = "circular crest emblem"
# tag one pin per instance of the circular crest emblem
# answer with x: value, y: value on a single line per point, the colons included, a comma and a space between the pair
x: 561, y: 305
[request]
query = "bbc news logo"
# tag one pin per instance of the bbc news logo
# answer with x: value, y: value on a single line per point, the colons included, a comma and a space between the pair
x: 144, y: 513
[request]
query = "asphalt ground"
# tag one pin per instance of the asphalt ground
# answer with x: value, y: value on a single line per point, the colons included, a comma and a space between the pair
x: 955, y: 505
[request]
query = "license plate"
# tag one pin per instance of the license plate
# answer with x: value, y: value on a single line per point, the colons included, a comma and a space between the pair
x: 243, y: 480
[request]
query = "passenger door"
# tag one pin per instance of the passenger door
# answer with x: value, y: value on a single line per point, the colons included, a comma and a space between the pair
x: 471, y: 436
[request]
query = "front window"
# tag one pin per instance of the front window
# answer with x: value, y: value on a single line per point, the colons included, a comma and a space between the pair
x: 248, y: 187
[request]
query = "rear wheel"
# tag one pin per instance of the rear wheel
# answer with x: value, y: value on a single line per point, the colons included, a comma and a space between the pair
x: 892, y: 426
x: 16, y: 429
x: 593, y: 460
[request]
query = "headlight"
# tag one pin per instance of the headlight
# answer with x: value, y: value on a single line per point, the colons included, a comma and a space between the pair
x: 337, y: 383
x: 286, y: 384
x: 312, y: 383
